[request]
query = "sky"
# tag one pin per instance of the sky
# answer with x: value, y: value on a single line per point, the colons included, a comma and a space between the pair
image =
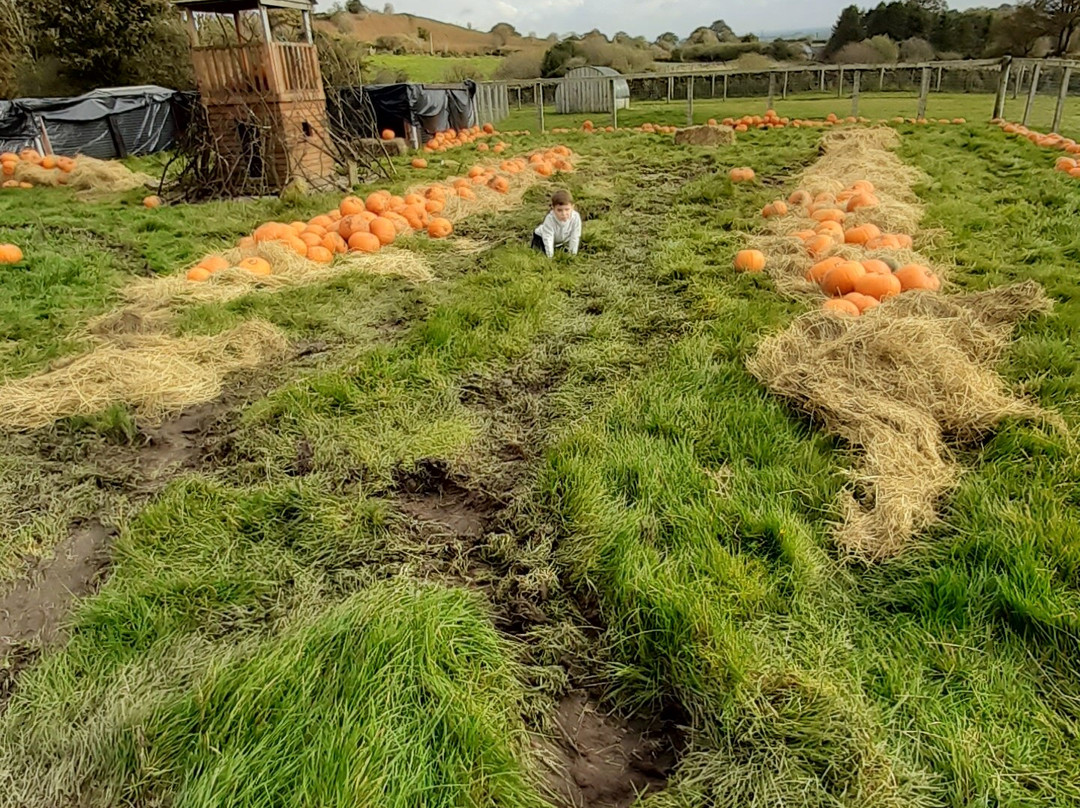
x: 648, y: 18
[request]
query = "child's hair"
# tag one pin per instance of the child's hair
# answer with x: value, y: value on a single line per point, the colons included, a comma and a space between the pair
x: 561, y: 198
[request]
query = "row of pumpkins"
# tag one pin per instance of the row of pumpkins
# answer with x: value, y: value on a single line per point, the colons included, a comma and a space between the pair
x: 9, y: 162
x: 367, y: 225
x: 769, y: 121
x: 1064, y: 164
x: 851, y: 287
x: 456, y: 138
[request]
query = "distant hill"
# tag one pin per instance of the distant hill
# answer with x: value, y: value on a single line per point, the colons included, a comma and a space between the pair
x: 438, y: 37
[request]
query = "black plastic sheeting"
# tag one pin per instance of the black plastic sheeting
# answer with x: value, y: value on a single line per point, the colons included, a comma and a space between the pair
x: 424, y: 108
x: 107, y: 124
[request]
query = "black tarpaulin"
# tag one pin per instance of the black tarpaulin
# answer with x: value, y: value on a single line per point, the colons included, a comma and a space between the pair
x: 107, y: 123
x: 425, y: 108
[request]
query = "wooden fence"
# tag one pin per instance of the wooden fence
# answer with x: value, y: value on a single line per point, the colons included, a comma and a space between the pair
x: 850, y: 80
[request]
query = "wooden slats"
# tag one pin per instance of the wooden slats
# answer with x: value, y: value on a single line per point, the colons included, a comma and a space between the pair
x: 283, y: 69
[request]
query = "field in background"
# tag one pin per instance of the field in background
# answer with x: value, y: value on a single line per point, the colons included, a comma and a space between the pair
x: 973, y: 107
x: 432, y: 69
x: 379, y: 568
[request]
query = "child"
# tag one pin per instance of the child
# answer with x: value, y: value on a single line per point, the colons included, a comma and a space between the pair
x: 561, y: 227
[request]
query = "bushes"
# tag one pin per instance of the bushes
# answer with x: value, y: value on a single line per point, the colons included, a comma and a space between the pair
x: 596, y: 51
x: 916, y: 49
x: 524, y: 64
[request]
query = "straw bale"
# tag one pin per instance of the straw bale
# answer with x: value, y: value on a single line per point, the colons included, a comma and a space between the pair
x: 106, y: 176
x: 156, y: 374
x: 902, y: 384
x: 36, y: 175
x: 705, y: 136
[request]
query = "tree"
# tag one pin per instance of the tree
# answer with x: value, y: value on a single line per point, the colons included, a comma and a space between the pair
x: 354, y: 7
x: 667, y: 40
x: 886, y: 51
x: 101, y: 42
x: 848, y: 28
x: 503, y: 33
x: 723, y: 31
x: 702, y: 36
x: 556, y: 58
x: 1016, y: 33
x: 916, y: 49
x: 388, y: 8
x: 1063, y: 20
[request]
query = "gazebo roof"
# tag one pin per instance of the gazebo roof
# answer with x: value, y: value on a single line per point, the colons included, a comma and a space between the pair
x: 231, y: 6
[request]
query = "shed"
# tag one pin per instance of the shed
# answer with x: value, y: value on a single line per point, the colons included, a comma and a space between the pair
x: 581, y: 92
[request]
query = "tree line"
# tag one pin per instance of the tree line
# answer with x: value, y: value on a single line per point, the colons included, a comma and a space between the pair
x: 930, y: 28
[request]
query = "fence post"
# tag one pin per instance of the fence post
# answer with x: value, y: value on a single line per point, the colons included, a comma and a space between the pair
x: 670, y: 88
x: 855, y: 93
x: 1003, y: 87
x: 772, y: 90
x: 822, y: 81
x: 1031, y: 92
x: 783, y: 92
x: 881, y: 81
x: 690, y: 101
x: 712, y: 92
x: 939, y: 72
x: 519, y: 97
x: 1062, y: 94
x: 924, y: 91
x: 725, y: 86
x: 539, y: 93
x: 840, y: 84
x: 614, y: 107
x: 1019, y: 80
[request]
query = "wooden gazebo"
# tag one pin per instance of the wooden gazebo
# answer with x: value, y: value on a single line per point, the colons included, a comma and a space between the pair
x: 264, y: 98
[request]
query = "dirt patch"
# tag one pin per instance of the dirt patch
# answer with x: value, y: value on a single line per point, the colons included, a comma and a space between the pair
x: 598, y: 760
x: 431, y: 494
x: 32, y: 613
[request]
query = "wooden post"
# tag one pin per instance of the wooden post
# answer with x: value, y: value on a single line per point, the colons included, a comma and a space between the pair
x: 712, y: 92
x: 268, y: 36
x: 939, y: 72
x: 1019, y: 79
x: 772, y: 90
x: 539, y: 93
x: 725, y: 86
x: 690, y: 101
x: 519, y: 97
x: 783, y: 92
x: 840, y: 84
x: 1002, y: 88
x: 924, y: 91
x: 855, y: 93
x: 614, y: 107
x: 1034, y: 88
x: 1062, y: 93
x: 670, y: 88
x: 822, y: 81
x: 881, y: 81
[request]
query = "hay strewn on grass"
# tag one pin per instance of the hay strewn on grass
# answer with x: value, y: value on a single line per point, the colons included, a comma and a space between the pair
x: 89, y: 176
x: 145, y: 297
x: 705, y: 136
x: 156, y: 374
x: 902, y: 384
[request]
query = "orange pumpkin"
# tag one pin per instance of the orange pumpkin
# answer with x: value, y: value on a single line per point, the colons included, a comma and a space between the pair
x: 750, y: 261
x: 829, y: 215
x: 334, y: 243
x: 10, y: 254
x: 419, y: 162
x: 320, y: 255
x: 741, y: 174
x: 800, y: 198
x: 819, y: 245
x: 351, y: 205
x: 875, y: 266
x: 917, y: 276
x: 833, y: 229
x: 256, y: 265
x: 861, y: 200
x: 862, y: 234
x: 863, y: 302
x: 364, y: 242
x: 803, y: 234
x: 383, y: 229
x: 817, y: 272
x: 152, y: 202
x: 352, y: 224
x: 842, y: 307
x: 878, y: 285
x: 434, y: 206
x: 378, y: 202
x: 388, y: 134
x: 841, y: 279
x: 198, y: 274
x: 440, y: 228
x: 213, y: 263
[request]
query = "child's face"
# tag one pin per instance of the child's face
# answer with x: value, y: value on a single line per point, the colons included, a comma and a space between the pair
x: 562, y: 212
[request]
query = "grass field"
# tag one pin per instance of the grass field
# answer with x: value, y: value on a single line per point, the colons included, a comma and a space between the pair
x: 973, y: 107
x: 425, y: 68
x: 282, y: 625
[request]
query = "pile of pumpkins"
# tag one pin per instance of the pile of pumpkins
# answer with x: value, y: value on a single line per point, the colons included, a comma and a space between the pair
x: 454, y: 138
x: 851, y: 287
x: 1064, y: 164
x: 367, y: 225
x: 9, y: 161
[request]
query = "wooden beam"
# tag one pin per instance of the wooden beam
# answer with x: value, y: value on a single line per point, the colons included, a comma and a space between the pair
x: 670, y: 88
x: 1032, y: 90
x: 924, y: 92
x: 1002, y: 88
x: 881, y: 81
x: 772, y: 91
x: 712, y: 93
x: 725, y: 86
x: 689, y: 101
x: 939, y: 71
x: 614, y: 106
x: 783, y: 92
x: 855, y: 93
x: 1063, y: 92
x: 1019, y: 79
x: 840, y: 84
x: 539, y: 94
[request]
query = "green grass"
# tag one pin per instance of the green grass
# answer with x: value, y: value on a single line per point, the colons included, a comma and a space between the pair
x: 269, y: 635
x: 432, y: 69
x: 975, y: 107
